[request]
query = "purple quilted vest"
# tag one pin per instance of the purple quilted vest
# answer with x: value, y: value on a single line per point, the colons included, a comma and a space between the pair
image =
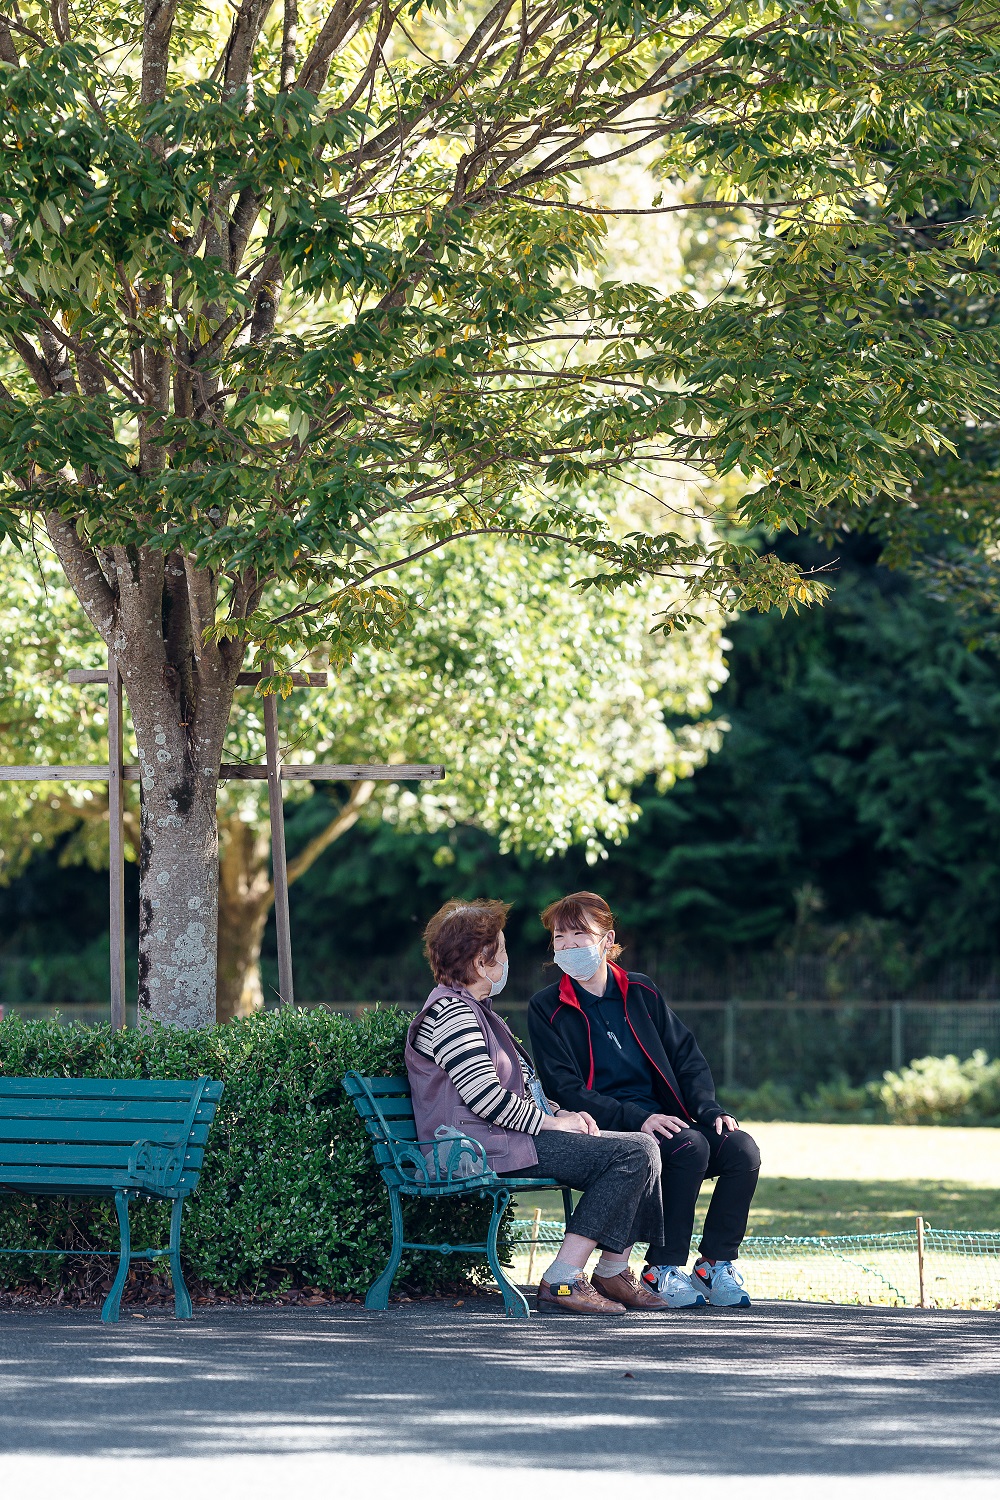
x: 436, y: 1100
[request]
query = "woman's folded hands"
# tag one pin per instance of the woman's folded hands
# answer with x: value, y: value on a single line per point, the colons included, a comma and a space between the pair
x: 575, y: 1122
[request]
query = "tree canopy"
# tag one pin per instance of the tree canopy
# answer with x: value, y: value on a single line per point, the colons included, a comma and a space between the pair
x: 294, y: 297
x: 850, y: 817
x: 275, y: 276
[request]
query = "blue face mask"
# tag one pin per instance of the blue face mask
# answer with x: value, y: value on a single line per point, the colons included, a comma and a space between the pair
x: 579, y: 963
x: 496, y: 985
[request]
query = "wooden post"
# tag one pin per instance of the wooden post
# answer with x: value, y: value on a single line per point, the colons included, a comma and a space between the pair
x: 920, y: 1261
x: 897, y: 1035
x: 729, y: 1045
x: 279, y: 863
x: 115, y: 773
x: 116, y: 842
x: 536, y: 1215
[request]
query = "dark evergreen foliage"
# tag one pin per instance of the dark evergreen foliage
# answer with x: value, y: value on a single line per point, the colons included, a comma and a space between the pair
x: 855, y: 803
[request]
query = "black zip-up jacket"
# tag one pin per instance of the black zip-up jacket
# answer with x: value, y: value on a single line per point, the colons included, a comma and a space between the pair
x: 559, y: 1032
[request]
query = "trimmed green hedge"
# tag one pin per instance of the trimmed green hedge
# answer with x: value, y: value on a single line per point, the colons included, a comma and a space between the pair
x: 289, y: 1191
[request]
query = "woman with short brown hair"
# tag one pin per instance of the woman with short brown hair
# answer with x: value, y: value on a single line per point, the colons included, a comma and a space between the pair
x: 467, y: 1072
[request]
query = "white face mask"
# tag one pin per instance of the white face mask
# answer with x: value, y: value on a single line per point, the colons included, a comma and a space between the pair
x: 579, y: 963
x: 496, y: 985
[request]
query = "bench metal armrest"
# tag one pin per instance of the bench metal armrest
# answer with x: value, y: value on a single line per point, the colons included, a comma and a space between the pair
x: 444, y: 1168
x: 153, y: 1166
x: 161, y: 1166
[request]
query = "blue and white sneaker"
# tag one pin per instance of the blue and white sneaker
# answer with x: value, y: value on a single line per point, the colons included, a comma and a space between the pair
x: 673, y: 1285
x: 722, y: 1282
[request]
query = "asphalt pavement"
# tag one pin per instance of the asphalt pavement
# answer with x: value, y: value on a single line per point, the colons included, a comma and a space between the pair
x: 431, y: 1399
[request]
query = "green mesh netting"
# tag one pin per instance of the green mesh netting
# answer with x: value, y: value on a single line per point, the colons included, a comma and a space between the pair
x: 961, y: 1267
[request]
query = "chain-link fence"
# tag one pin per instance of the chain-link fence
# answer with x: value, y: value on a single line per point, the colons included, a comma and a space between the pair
x: 911, y: 1268
x: 794, y: 1042
x: 805, y: 1043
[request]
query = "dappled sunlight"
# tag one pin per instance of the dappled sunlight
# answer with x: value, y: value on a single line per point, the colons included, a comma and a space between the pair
x: 820, y: 1390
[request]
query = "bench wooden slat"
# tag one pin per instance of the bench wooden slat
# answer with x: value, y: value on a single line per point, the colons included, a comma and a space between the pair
x: 140, y: 1089
x: 88, y: 1132
x: 381, y: 1088
x: 398, y: 1130
x: 167, y: 1111
x: 24, y: 1154
x: 92, y: 1181
x: 395, y: 1109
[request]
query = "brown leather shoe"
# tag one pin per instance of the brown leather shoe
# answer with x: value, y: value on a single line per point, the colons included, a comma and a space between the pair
x: 574, y: 1297
x: 627, y: 1290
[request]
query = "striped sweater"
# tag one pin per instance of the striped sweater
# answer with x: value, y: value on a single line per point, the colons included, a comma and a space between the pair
x: 450, y: 1035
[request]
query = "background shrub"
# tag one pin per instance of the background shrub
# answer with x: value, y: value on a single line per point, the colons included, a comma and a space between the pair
x: 930, y: 1091
x: 289, y: 1190
x: 937, y: 1090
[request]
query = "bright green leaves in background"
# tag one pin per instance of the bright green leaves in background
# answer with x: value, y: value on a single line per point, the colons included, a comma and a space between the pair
x: 305, y: 326
x: 545, y: 707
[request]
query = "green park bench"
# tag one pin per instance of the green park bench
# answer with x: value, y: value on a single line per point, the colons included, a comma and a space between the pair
x: 458, y: 1166
x: 120, y: 1138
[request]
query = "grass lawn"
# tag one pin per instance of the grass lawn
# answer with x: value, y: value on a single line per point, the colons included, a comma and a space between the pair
x: 870, y: 1179
x: 862, y: 1179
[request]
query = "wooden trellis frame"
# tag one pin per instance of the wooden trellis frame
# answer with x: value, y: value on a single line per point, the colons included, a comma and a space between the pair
x: 274, y: 771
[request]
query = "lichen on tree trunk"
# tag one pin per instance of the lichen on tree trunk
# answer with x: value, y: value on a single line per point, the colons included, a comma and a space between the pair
x: 178, y: 899
x: 180, y: 725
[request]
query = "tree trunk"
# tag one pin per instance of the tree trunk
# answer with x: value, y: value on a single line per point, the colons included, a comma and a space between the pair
x: 178, y: 854
x: 245, y: 897
x: 153, y: 610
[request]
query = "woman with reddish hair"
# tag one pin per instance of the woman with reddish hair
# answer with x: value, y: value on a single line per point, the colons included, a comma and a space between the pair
x: 467, y: 1072
x: 605, y: 1041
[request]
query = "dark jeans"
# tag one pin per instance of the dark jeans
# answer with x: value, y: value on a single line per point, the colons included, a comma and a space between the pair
x: 687, y: 1159
x: 620, y: 1179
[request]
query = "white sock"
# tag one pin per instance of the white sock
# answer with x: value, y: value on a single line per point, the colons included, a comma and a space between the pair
x: 561, y: 1271
x: 610, y: 1264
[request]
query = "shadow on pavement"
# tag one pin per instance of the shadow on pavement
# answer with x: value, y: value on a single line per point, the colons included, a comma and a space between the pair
x: 782, y: 1388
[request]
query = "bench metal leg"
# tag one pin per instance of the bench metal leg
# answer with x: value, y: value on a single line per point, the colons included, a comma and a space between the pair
x: 113, y: 1301
x: 567, y: 1207
x: 514, y: 1303
x: 182, y: 1298
x: 378, y: 1292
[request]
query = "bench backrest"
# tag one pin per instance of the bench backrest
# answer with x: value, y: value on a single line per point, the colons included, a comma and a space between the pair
x: 385, y: 1106
x: 75, y: 1133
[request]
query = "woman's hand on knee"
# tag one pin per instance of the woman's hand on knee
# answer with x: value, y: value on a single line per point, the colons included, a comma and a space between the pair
x: 667, y: 1125
x: 574, y: 1122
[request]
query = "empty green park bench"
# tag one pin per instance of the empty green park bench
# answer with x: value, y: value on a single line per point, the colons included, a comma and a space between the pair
x: 458, y: 1166
x: 120, y: 1138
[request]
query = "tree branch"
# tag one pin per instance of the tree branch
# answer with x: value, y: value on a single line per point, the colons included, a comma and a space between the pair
x: 8, y: 50
x: 82, y: 568
x: 242, y: 41
x: 289, y: 44
x: 345, y: 820
x: 342, y: 20
x: 157, y: 25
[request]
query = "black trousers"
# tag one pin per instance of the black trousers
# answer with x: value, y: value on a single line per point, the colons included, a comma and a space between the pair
x: 686, y: 1160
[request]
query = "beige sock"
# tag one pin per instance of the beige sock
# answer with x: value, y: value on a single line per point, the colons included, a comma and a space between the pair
x: 610, y: 1264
